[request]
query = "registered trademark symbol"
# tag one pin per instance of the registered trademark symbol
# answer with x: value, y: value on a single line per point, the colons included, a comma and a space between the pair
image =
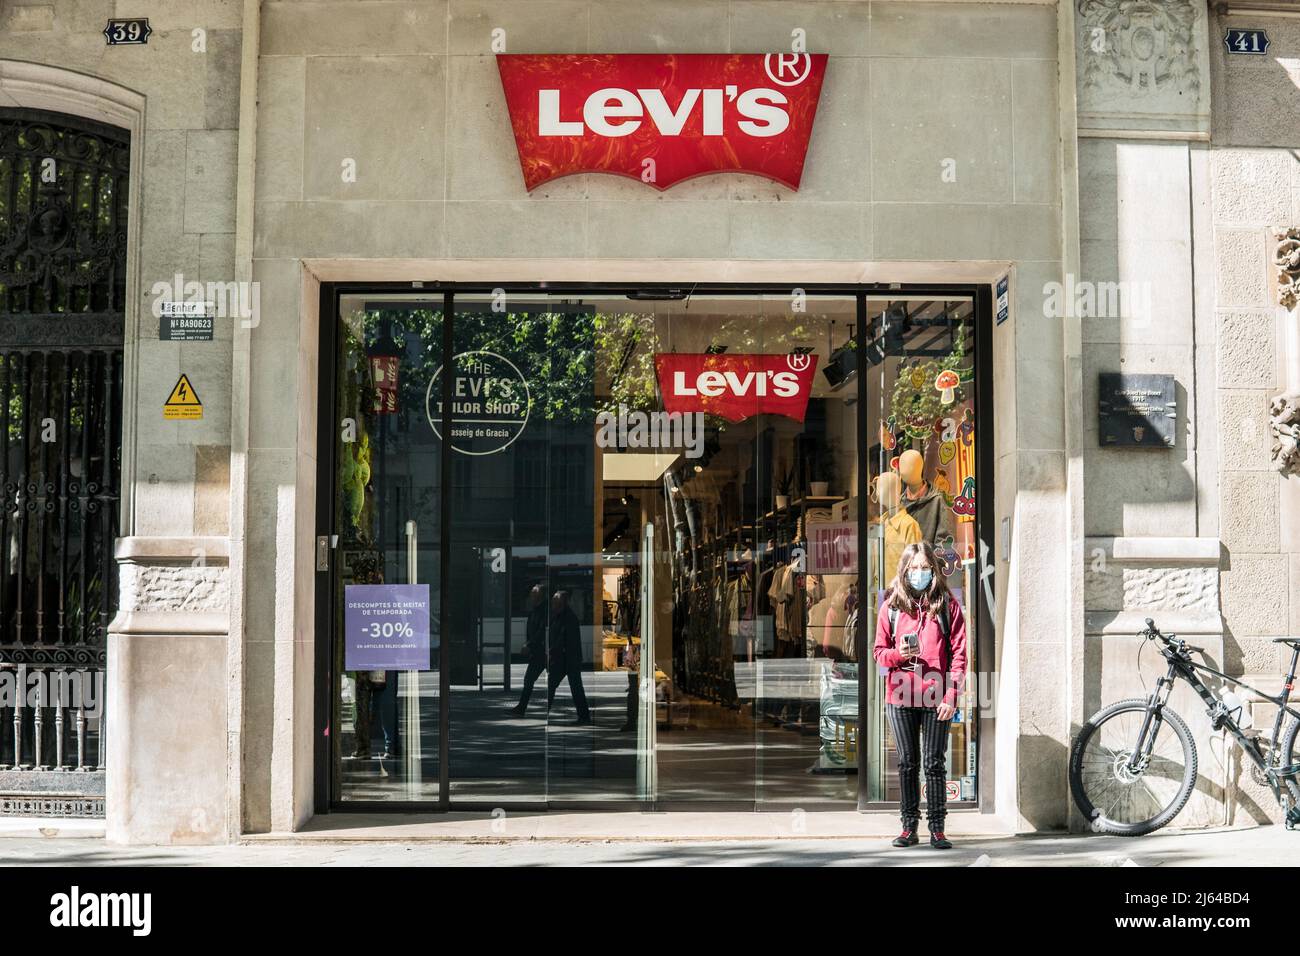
x: 788, y: 64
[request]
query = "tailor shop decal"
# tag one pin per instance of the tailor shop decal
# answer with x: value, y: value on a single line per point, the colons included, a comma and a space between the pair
x: 735, y: 387
x: 490, y: 404
x: 662, y: 118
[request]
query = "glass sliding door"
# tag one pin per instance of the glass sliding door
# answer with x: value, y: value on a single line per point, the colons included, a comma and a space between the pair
x: 386, y: 554
x: 734, y: 439
x: 535, y: 714
x: 677, y: 514
x: 921, y: 429
x: 805, y: 685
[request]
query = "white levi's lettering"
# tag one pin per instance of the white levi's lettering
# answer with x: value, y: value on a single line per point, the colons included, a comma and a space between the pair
x: 615, y: 112
x: 713, y: 112
x: 786, y: 384
x: 712, y: 383
x: 612, y: 103
x: 764, y: 118
x: 548, y: 116
x: 740, y: 386
x: 668, y: 121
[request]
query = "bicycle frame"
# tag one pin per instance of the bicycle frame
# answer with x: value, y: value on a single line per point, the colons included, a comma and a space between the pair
x: 1181, y: 665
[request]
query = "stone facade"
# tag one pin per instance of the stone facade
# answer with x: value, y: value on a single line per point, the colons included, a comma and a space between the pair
x: 1201, y: 217
x: 1081, y: 156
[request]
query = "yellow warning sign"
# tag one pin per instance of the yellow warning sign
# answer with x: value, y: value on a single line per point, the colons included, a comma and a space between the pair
x: 183, y: 403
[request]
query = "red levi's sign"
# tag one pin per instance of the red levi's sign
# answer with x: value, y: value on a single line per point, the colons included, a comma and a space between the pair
x: 735, y: 387
x: 662, y: 118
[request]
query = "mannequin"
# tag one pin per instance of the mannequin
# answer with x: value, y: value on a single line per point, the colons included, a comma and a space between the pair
x: 911, y: 466
x: 901, y: 528
x: 923, y: 502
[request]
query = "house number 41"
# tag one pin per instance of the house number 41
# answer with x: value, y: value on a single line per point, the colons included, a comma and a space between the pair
x: 1246, y: 41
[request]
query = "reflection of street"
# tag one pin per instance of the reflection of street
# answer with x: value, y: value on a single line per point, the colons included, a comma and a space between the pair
x: 708, y: 755
x: 496, y: 755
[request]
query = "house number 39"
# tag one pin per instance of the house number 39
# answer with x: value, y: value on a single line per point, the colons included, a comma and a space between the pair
x: 121, y: 32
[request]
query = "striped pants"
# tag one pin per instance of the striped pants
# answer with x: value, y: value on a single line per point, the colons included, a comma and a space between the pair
x: 909, y: 724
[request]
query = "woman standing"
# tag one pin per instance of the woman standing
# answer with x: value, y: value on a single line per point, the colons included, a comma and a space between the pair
x: 921, y: 640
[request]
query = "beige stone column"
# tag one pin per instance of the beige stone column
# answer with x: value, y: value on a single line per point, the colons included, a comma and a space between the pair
x: 166, y: 700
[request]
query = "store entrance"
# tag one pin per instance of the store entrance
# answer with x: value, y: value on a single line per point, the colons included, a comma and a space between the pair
x: 628, y: 547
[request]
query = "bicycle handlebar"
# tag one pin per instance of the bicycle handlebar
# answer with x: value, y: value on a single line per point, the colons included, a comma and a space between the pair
x: 1172, y: 641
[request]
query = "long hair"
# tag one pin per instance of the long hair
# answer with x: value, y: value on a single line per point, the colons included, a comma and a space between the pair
x: 901, y: 596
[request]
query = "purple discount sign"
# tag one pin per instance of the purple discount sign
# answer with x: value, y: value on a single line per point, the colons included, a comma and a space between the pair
x: 387, y: 627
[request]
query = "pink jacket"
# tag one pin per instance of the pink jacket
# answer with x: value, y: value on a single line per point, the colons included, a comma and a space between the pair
x: 943, y: 663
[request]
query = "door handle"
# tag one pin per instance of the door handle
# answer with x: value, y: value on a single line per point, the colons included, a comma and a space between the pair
x: 324, y: 544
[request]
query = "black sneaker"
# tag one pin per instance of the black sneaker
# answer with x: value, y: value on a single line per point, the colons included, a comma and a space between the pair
x: 939, y: 841
x: 907, y: 838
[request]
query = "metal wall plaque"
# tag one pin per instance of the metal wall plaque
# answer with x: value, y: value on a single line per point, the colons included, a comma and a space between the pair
x: 1136, y: 410
x: 1250, y: 42
x: 185, y: 321
x: 124, y: 32
x: 175, y: 328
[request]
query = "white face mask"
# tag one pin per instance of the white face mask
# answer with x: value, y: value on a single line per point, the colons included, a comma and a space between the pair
x: 919, y: 580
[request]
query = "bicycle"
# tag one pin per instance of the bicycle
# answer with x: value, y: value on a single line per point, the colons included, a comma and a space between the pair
x: 1119, y: 775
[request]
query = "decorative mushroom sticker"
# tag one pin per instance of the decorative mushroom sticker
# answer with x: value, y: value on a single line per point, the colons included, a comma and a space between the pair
x: 947, y: 383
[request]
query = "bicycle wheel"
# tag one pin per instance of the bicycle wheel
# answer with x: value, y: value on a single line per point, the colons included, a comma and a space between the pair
x: 1290, y: 755
x: 1121, y: 802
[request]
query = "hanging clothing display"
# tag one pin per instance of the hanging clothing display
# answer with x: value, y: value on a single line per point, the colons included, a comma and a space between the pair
x: 900, y: 530
x: 931, y: 513
x: 843, y: 599
x: 629, y: 602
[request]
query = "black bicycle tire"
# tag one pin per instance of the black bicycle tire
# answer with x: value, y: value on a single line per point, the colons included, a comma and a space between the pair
x: 1091, y: 726
x: 1290, y: 757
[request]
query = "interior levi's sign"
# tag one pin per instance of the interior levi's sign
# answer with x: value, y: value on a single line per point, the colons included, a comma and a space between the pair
x: 735, y: 387
x: 662, y: 118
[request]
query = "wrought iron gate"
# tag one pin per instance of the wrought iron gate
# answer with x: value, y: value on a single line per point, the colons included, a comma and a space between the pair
x: 63, y: 215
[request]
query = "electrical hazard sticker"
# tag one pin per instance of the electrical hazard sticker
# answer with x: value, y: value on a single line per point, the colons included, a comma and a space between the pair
x: 183, y: 403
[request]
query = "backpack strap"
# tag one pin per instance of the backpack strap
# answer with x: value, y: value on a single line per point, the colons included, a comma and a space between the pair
x: 945, y: 626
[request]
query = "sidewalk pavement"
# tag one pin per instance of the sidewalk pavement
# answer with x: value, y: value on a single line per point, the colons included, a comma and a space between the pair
x: 672, y: 839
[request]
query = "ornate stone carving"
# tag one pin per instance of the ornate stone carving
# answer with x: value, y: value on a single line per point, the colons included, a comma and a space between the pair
x: 1287, y: 259
x: 1142, y: 45
x: 1285, y: 414
x: 1284, y: 410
